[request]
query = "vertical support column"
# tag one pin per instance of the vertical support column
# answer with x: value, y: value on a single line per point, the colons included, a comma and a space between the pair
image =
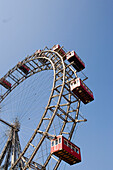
x: 7, y: 152
x: 13, y: 157
x: 19, y: 150
x: 6, y: 164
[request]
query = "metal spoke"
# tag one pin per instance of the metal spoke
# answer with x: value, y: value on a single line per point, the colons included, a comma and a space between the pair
x: 8, y: 124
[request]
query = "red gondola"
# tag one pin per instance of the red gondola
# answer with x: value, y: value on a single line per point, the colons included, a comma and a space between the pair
x: 60, y: 51
x: 5, y: 83
x: 81, y: 90
x: 65, y: 150
x: 23, y: 67
x: 78, y: 63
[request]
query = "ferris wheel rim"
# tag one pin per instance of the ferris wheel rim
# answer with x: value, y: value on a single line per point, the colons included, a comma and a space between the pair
x: 63, y: 84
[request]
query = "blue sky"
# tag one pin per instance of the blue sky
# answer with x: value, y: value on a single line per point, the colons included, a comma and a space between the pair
x: 85, y: 26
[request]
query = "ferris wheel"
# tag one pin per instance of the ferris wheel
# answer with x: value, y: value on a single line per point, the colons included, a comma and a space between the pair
x: 39, y: 110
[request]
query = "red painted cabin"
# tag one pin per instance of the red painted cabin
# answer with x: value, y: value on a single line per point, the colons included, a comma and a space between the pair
x: 81, y: 91
x: 5, y: 83
x: 24, y: 68
x: 78, y: 63
x: 65, y: 150
x: 60, y: 51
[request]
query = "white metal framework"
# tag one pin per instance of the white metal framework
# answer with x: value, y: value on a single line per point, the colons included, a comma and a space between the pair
x: 63, y: 105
